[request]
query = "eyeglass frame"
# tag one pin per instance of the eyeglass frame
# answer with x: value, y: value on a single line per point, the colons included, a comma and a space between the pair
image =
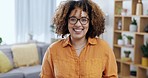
x: 78, y: 20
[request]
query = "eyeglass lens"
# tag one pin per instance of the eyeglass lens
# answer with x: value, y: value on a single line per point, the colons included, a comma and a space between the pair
x: 74, y: 20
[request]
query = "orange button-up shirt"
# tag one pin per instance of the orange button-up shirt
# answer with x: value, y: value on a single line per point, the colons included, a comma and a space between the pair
x: 96, y: 60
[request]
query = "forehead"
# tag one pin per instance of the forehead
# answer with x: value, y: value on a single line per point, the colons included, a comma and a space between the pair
x: 78, y: 13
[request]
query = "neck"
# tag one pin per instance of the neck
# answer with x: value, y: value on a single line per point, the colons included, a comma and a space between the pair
x: 78, y: 42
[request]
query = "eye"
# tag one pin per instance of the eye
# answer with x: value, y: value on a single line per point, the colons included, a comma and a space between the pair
x: 84, y: 19
x: 73, y: 19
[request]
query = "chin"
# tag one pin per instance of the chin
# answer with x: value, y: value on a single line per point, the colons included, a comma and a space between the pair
x: 78, y: 37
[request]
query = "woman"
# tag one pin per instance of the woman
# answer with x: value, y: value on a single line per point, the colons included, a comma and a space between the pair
x: 82, y: 54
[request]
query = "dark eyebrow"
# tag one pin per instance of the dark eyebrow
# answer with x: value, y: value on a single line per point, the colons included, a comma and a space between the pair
x: 72, y: 17
x: 84, y: 17
x: 76, y: 17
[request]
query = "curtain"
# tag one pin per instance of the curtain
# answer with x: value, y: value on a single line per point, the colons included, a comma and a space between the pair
x: 34, y: 17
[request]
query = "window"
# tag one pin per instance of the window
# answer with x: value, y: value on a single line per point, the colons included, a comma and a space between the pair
x: 7, y: 21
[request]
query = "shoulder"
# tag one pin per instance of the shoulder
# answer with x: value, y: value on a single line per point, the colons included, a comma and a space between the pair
x: 97, y: 41
x: 104, y: 45
x: 57, y: 44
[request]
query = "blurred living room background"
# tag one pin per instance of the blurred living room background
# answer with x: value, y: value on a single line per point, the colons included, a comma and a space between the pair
x: 21, y: 18
x: 26, y: 32
x: 29, y: 21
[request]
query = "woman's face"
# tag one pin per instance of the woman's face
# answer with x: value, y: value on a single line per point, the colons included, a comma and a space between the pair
x: 78, y: 23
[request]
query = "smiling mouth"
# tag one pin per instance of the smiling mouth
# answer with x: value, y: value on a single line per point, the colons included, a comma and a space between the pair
x: 77, y: 30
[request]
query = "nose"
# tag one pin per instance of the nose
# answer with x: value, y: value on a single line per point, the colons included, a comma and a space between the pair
x: 78, y: 23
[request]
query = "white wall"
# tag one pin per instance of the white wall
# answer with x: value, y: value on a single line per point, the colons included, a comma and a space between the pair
x: 7, y: 21
x: 109, y: 29
x: 107, y: 7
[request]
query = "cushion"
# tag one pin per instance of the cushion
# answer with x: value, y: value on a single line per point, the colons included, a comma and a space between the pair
x: 25, y: 55
x: 5, y: 64
x: 7, y: 51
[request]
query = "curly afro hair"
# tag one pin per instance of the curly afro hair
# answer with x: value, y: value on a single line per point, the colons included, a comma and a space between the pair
x: 96, y: 17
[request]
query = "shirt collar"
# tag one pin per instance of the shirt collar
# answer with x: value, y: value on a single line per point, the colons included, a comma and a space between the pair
x: 67, y: 42
x: 91, y: 41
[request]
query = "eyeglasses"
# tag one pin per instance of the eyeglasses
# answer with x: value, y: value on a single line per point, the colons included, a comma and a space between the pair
x: 83, y: 20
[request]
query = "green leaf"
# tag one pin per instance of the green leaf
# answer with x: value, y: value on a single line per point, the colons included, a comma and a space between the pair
x: 120, y: 37
x: 144, y: 49
x: 134, y: 22
x: 1, y: 40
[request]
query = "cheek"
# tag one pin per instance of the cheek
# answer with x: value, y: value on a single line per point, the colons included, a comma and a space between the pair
x: 69, y: 27
x: 87, y: 27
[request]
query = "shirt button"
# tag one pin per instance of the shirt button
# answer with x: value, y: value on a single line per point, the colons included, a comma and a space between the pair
x: 77, y: 72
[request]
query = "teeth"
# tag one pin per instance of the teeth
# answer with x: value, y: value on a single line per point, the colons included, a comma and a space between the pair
x: 78, y: 30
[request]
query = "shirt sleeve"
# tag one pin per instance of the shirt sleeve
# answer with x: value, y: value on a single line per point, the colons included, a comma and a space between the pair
x: 110, y: 66
x: 47, y: 66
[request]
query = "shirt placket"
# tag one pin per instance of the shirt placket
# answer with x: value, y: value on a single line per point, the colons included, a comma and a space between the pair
x: 77, y: 63
x: 77, y: 68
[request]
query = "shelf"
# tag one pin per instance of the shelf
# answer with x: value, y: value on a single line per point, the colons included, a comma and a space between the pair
x: 144, y: 16
x: 128, y: 63
x: 142, y: 66
x: 118, y: 16
x: 124, y: 46
x: 118, y: 31
x: 116, y: 45
x: 141, y: 33
x: 122, y: 22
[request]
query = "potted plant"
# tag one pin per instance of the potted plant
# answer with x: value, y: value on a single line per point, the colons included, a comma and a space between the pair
x: 133, y: 25
x: 0, y: 40
x: 127, y: 53
x: 129, y: 39
x: 120, y: 40
x: 144, y: 49
x: 127, y: 58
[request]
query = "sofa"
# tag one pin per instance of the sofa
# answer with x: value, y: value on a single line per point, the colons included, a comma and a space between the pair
x: 27, y: 71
